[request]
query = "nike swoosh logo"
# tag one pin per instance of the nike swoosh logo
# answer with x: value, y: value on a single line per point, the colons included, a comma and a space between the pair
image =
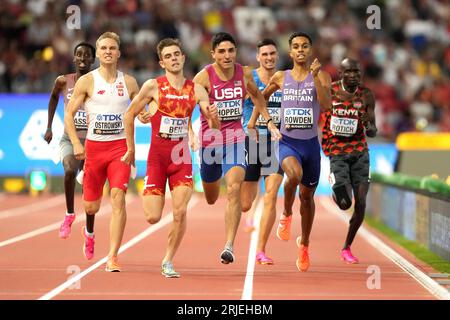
x: 189, y: 177
x: 216, y: 86
x: 336, y: 103
x: 313, y: 183
x: 70, y: 89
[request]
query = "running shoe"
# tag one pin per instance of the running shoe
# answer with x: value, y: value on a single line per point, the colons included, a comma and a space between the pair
x: 88, y: 245
x: 66, y: 226
x: 112, y: 265
x: 261, y: 258
x: 348, y: 257
x: 226, y: 256
x: 168, y: 271
x: 284, y: 228
x: 302, y: 262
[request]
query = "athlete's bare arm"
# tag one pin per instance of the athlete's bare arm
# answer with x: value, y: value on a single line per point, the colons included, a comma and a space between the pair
x: 58, y: 87
x: 210, y: 112
x: 369, y: 116
x: 322, y: 82
x: 202, y: 79
x: 81, y: 92
x: 132, y: 86
x: 146, y: 95
x: 259, y: 102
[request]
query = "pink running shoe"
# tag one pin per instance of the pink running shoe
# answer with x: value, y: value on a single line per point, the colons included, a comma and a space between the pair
x: 261, y: 258
x: 66, y: 226
x: 348, y: 257
x: 88, y: 245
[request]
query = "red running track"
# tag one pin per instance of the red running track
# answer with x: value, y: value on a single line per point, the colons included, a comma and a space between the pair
x: 34, y: 261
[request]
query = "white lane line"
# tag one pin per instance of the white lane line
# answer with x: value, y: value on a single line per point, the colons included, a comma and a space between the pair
x: 247, y: 292
x: 32, y: 207
x: 151, y: 229
x: 428, y: 283
x: 104, y: 209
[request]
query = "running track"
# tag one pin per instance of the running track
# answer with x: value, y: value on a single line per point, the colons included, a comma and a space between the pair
x: 36, y: 264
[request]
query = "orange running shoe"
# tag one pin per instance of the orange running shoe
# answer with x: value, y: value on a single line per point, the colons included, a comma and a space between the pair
x: 284, y: 228
x: 302, y: 262
x: 112, y: 265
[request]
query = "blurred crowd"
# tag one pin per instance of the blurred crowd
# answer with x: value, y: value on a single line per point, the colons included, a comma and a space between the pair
x: 406, y: 62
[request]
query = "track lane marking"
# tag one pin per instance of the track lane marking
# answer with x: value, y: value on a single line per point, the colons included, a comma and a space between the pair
x: 433, y: 287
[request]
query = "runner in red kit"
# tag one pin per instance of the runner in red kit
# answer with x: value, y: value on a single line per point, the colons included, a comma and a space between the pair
x: 347, y: 123
x: 171, y: 99
x: 105, y: 93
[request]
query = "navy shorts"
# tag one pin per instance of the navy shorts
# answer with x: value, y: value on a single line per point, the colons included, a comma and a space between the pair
x: 307, y: 153
x: 218, y: 160
x: 261, y: 158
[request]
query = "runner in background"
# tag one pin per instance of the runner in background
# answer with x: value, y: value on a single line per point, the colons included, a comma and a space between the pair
x: 347, y: 124
x: 84, y: 57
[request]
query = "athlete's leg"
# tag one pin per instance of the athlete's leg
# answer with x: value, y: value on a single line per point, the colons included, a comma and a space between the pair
x: 268, y: 217
x: 294, y: 173
x: 118, y: 220
x: 153, y: 207
x: 360, y: 192
x: 307, y: 211
x: 249, y: 191
x: 211, y: 190
x: 233, y: 179
x: 180, y: 199
x: 70, y: 165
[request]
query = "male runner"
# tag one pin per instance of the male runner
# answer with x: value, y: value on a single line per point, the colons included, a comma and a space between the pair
x: 348, y: 122
x: 84, y: 57
x: 105, y: 93
x: 261, y: 154
x: 227, y: 83
x: 305, y: 89
x: 172, y: 98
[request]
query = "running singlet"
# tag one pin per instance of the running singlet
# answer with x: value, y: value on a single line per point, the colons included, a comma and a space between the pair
x: 273, y: 107
x: 106, y: 108
x: 80, y: 117
x: 300, y: 109
x: 343, y: 132
x: 171, y: 121
x: 228, y: 96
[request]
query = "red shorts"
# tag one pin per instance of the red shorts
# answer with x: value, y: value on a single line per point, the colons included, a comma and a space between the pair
x: 102, y: 162
x: 160, y: 168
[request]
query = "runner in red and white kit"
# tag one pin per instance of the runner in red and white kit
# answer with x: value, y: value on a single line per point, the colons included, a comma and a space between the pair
x: 105, y: 93
x: 84, y: 58
x: 171, y: 98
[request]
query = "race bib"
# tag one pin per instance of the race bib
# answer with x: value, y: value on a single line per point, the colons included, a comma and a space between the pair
x: 173, y: 127
x: 344, y: 127
x: 274, y: 112
x: 108, y: 124
x: 229, y: 110
x: 80, y: 120
x: 298, y: 118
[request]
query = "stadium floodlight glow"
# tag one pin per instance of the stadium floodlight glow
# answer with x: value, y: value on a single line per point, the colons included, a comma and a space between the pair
x: 38, y: 180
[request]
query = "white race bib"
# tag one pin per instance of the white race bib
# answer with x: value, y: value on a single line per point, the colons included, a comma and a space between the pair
x: 344, y: 127
x: 229, y: 110
x: 80, y: 120
x: 108, y: 124
x: 173, y: 127
x: 298, y: 118
x: 274, y: 112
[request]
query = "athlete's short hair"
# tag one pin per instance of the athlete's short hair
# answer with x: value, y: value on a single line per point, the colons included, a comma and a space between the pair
x: 299, y: 34
x: 266, y: 42
x: 84, y: 44
x: 220, y: 37
x: 109, y: 35
x: 167, y: 42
